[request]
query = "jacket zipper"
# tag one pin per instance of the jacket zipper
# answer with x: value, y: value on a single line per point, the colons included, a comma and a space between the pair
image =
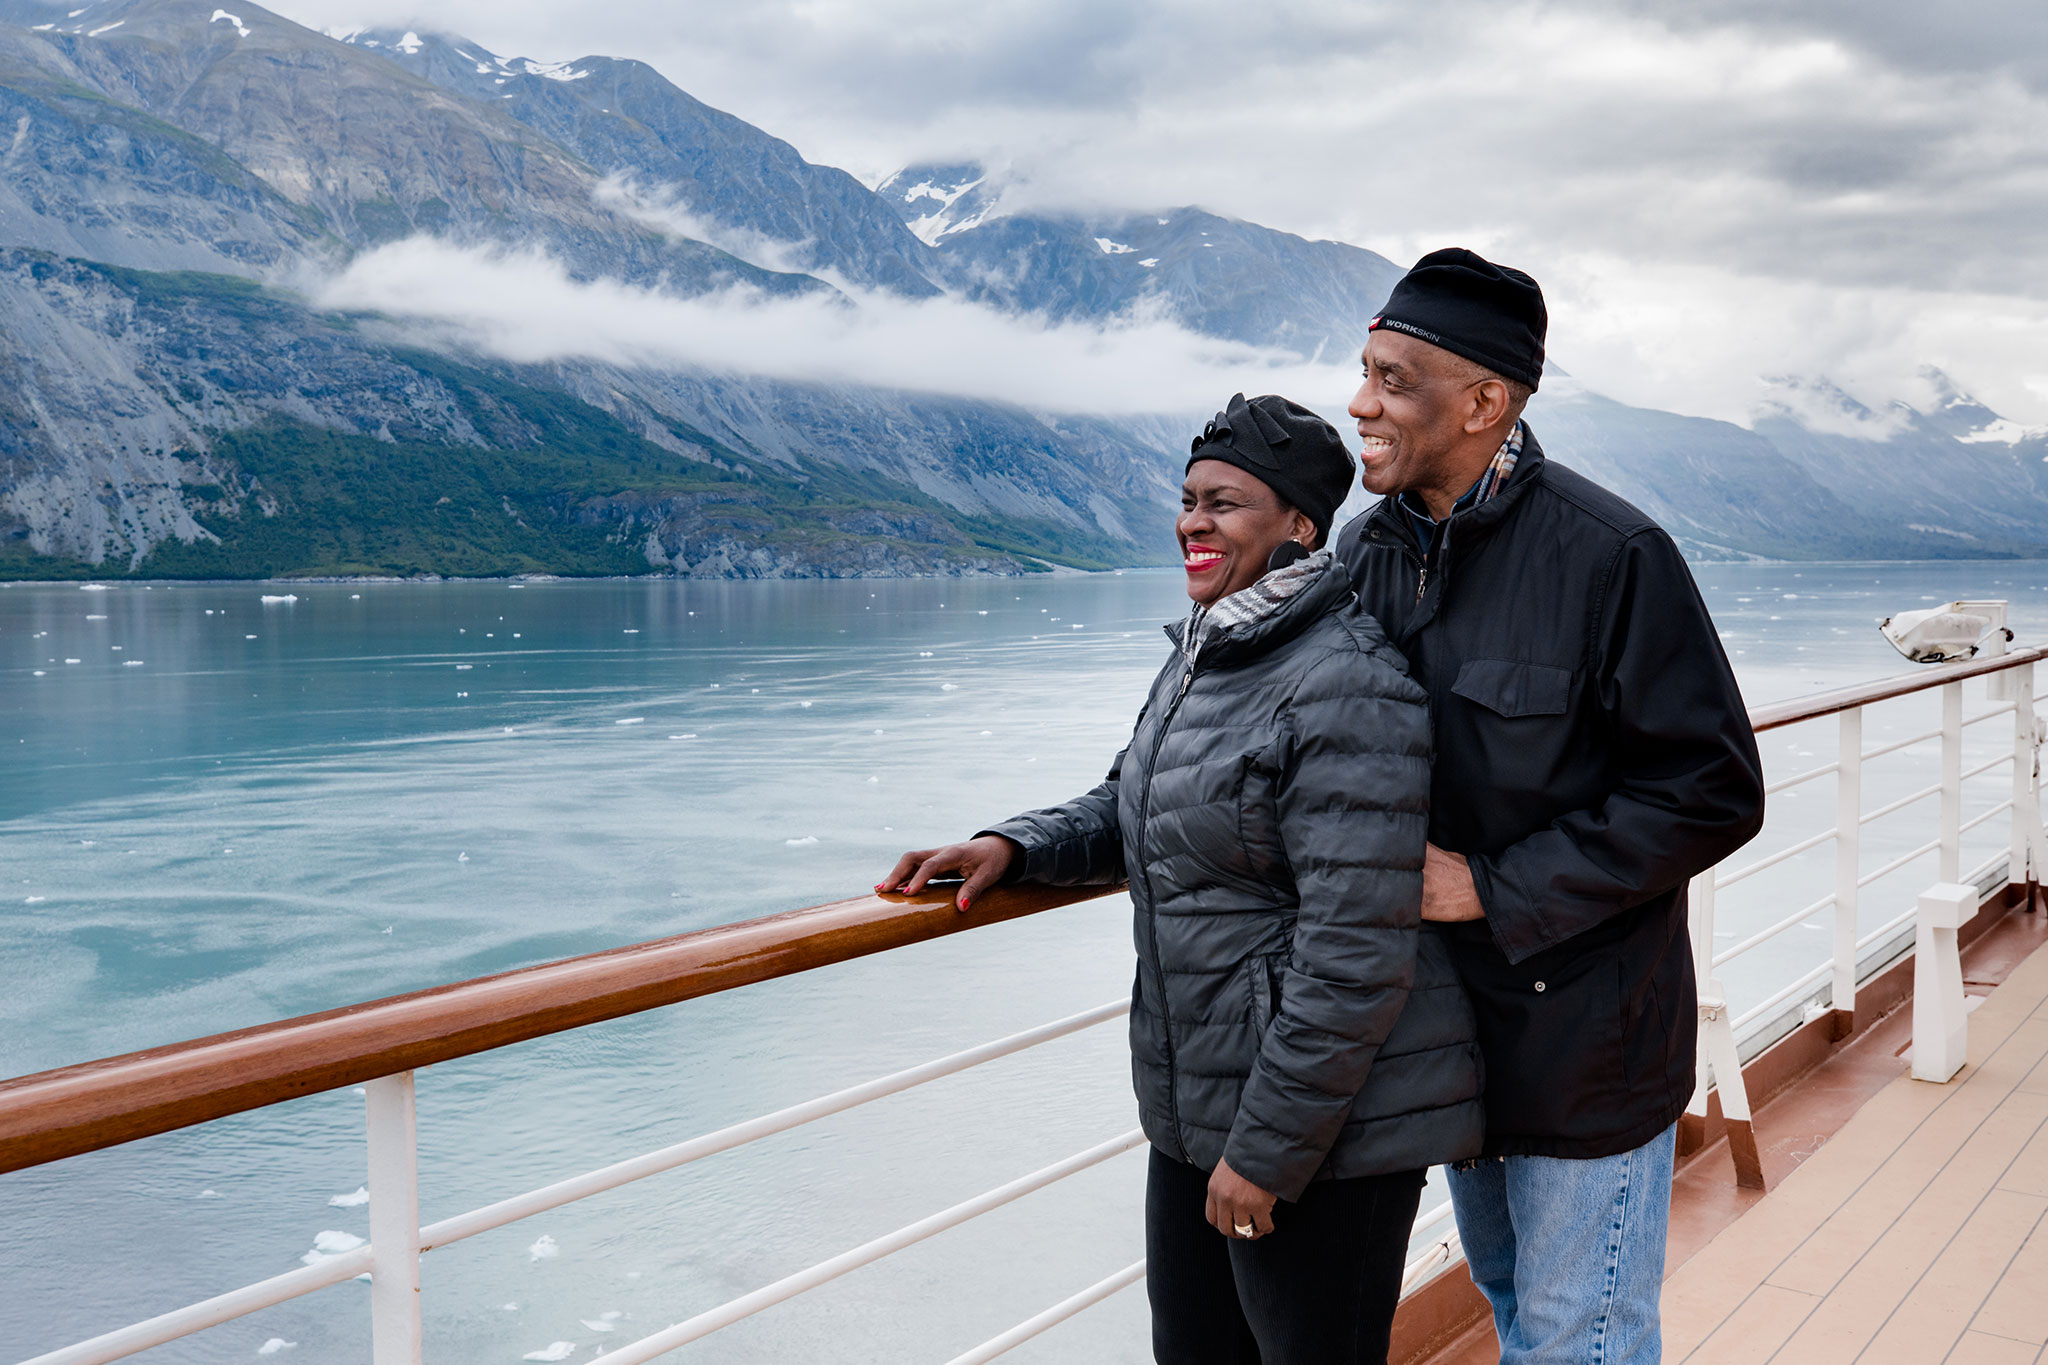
x: 1151, y: 906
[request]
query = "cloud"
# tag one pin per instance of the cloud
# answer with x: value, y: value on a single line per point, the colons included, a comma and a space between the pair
x: 524, y: 307
x: 1645, y: 158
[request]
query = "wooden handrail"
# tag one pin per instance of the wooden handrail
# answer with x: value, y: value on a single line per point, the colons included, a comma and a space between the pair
x: 55, y: 1114
x: 1780, y: 714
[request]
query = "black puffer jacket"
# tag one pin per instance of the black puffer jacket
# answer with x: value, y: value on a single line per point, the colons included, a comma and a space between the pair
x: 1290, y: 1014
x: 1592, y: 753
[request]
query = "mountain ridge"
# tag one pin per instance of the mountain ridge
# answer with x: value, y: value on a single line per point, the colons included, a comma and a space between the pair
x: 141, y: 403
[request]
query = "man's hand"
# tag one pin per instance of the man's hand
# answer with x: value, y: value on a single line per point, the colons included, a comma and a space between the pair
x: 982, y: 862
x: 1235, y: 1202
x: 1448, y: 896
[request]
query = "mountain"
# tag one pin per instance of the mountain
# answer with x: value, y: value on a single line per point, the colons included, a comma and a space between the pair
x: 1217, y: 275
x: 177, y: 180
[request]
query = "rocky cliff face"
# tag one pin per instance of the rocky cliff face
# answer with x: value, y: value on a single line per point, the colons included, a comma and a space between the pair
x: 173, y: 176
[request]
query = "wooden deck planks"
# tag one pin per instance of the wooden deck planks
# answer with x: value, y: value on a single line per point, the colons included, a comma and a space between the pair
x: 1918, y: 1234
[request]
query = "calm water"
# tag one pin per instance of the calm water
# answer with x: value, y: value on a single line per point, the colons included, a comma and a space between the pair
x: 220, y: 811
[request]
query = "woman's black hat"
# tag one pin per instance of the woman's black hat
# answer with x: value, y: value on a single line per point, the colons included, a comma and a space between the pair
x: 1490, y: 314
x: 1285, y: 446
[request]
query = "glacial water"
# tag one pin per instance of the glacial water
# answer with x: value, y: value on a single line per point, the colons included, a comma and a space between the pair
x: 218, y: 810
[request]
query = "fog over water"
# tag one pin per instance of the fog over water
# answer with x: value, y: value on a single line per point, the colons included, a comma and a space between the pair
x: 218, y: 811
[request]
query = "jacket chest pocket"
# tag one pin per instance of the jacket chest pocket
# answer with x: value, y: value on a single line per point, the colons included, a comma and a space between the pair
x: 1516, y: 722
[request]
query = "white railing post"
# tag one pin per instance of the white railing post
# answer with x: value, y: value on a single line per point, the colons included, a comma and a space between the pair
x: 1951, y: 781
x: 2024, y: 868
x: 1941, y: 1031
x: 394, y: 1221
x: 1848, y: 864
x: 1718, y: 1057
x: 1701, y: 907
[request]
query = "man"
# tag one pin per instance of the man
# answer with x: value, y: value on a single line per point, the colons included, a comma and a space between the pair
x: 1592, y: 754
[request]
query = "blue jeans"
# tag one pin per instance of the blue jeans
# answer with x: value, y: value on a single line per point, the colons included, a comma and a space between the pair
x: 1570, y: 1253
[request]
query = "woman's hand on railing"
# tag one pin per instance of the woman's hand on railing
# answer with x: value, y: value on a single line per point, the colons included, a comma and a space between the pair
x: 980, y: 862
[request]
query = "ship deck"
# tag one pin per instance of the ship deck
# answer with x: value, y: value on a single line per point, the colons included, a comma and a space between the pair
x: 1905, y: 1223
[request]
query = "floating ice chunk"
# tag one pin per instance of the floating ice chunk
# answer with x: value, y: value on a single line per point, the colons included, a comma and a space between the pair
x: 349, y: 1201
x: 459, y: 668
x: 508, y: 1308
x: 286, y: 597
x: 874, y: 780
x: 92, y: 587
x: 40, y: 672
x: 554, y: 1350
x: 515, y: 586
x: 878, y: 732
x: 630, y: 631
x: 87, y: 843
x: 208, y: 1194
x: 631, y: 720
x: 987, y: 732
x: 949, y: 687
x: 599, y: 1324
x: 355, y: 597
x: 804, y: 842
x: 463, y: 858
x: 541, y: 1251
x: 275, y: 1344
x: 38, y: 900
x: 330, y: 1243
x: 691, y: 735
x: 1077, y: 626
x: 981, y: 613
x: 806, y: 705
x: 133, y: 663
x: 90, y: 616
x: 924, y: 654
x: 248, y: 637
x: 71, y: 661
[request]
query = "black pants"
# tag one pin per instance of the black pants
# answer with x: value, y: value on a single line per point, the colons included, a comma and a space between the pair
x: 1320, y: 1289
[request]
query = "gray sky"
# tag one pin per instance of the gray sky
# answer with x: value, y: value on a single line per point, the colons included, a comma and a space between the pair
x: 1710, y: 192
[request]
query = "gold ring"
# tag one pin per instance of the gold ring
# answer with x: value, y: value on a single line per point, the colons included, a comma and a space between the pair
x: 1243, y: 1229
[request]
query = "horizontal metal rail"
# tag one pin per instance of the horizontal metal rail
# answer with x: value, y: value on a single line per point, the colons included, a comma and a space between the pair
x: 1051, y: 1317
x: 1783, y: 996
x: 197, y: 1317
x: 1749, y: 870
x: 1993, y: 714
x: 1899, y: 804
x: 1932, y: 845
x: 1986, y: 766
x: 562, y: 1192
x: 1766, y: 935
x: 788, y: 1287
x: 2000, y: 809
x: 1786, y: 784
x: 1898, y: 744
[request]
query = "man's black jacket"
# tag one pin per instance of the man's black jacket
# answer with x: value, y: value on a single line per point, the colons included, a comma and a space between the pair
x: 1592, y: 754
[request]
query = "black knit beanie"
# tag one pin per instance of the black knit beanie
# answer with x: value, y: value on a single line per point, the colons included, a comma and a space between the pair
x: 1490, y: 314
x: 1288, y: 448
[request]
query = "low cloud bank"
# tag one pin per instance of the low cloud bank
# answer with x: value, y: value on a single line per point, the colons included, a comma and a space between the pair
x: 523, y: 306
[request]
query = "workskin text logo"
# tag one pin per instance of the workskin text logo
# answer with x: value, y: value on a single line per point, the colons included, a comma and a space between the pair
x: 1410, y: 328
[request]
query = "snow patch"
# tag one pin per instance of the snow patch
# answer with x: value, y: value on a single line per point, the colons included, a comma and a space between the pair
x: 554, y: 71
x: 410, y: 44
x: 106, y: 28
x: 342, y: 33
x: 1149, y: 262
x: 1110, y: 248
x: 2004, y: 431
x: 240, y: 28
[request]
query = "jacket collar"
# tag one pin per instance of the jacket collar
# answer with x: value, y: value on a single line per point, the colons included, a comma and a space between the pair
x: 1468, y: 524
x: 1238, y: 642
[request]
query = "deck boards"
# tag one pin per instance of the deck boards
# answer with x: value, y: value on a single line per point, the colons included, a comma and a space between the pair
x: 1918, y: 1234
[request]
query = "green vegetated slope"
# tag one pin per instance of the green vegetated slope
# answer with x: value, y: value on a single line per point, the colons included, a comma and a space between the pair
x: 284, y: 499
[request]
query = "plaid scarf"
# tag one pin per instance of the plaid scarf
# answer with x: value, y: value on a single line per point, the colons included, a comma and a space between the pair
x: 1248, y: 605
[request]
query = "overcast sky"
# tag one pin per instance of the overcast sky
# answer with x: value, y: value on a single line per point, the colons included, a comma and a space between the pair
x: 1709, y: 192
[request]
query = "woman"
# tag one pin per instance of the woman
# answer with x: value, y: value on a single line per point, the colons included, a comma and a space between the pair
x: 1300, y: 1046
